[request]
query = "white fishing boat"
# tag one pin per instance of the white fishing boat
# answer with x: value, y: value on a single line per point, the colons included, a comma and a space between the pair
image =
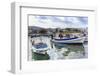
x: 69, y: 40
x: 40, y: 48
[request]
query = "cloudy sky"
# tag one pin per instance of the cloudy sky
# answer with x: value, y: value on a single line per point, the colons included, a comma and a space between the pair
x: 58, y: 21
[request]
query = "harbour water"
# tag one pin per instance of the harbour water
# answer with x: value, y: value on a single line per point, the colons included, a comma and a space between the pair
x: 58, y: 51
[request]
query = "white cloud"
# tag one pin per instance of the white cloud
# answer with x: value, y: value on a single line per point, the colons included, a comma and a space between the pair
x: 49, y: 23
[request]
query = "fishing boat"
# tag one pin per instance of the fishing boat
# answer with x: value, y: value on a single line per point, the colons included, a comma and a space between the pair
x: 40, y: 48
x: 69, y: 40
x: 86, y: 38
